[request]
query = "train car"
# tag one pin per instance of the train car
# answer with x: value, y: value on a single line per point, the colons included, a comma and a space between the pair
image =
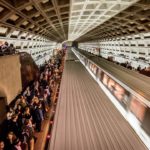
x: 132, y: 106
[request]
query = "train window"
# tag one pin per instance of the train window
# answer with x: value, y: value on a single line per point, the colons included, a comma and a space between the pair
x: 111, y: 85
x: 105, y: 79
x: 122, y: 95
x: 85, y: 61
x: 94, y: 69
x: 119, y: 92
x: 137, y: 108
x: 101, y: 74
x: 146, y: 121
x: 90, y: 65
x: 97, y: 71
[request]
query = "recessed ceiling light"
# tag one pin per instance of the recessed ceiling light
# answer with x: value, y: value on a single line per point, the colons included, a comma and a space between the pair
x: 14, y: 17
x: 28, y: 8
x: 3, y: 30
x: 25, y: 23
x: 45, y: 1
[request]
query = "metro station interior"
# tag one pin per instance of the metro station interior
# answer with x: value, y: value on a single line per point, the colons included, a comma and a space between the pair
x: 74, y: 74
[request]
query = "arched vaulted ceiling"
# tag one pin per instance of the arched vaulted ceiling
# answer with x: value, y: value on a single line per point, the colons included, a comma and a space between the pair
x: 88, y: 14
x: 133, y: 20
x: 81, y: 20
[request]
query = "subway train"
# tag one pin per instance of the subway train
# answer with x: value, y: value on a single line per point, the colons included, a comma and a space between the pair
x: 134, y: 107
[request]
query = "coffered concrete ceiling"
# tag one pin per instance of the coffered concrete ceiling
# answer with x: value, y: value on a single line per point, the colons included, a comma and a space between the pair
x: 88, y: 14
x: 133, y: 20
x: 60, y: 20
x: 48, y: 18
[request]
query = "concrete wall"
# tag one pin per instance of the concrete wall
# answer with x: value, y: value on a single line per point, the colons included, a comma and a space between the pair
x: 10, y: 77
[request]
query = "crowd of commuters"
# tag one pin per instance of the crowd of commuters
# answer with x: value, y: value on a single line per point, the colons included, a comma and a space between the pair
x: 7, y: 49
x: 144, y: 71
x: 31, y: 108
x: 128, y: 65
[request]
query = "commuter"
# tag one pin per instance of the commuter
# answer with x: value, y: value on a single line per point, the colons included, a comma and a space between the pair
x: 12, y: 142
x: 28, y: 134
x: 44, y: 81
x: 4, y: 47
x: 17, y: 144
x: 47, y: 92
x: 18, y: 110
x: 13, y: 126
x: 30, y: 109
x: 23, y: 102
x: 11, y: 49
x: 139, y: 68
x: 27, y: 114
x: 2, y: 145
x: 9, y: 113
x: 27, y: 94
x: 38, y: 117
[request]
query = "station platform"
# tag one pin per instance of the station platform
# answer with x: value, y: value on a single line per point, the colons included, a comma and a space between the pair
x: 85, y: 118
